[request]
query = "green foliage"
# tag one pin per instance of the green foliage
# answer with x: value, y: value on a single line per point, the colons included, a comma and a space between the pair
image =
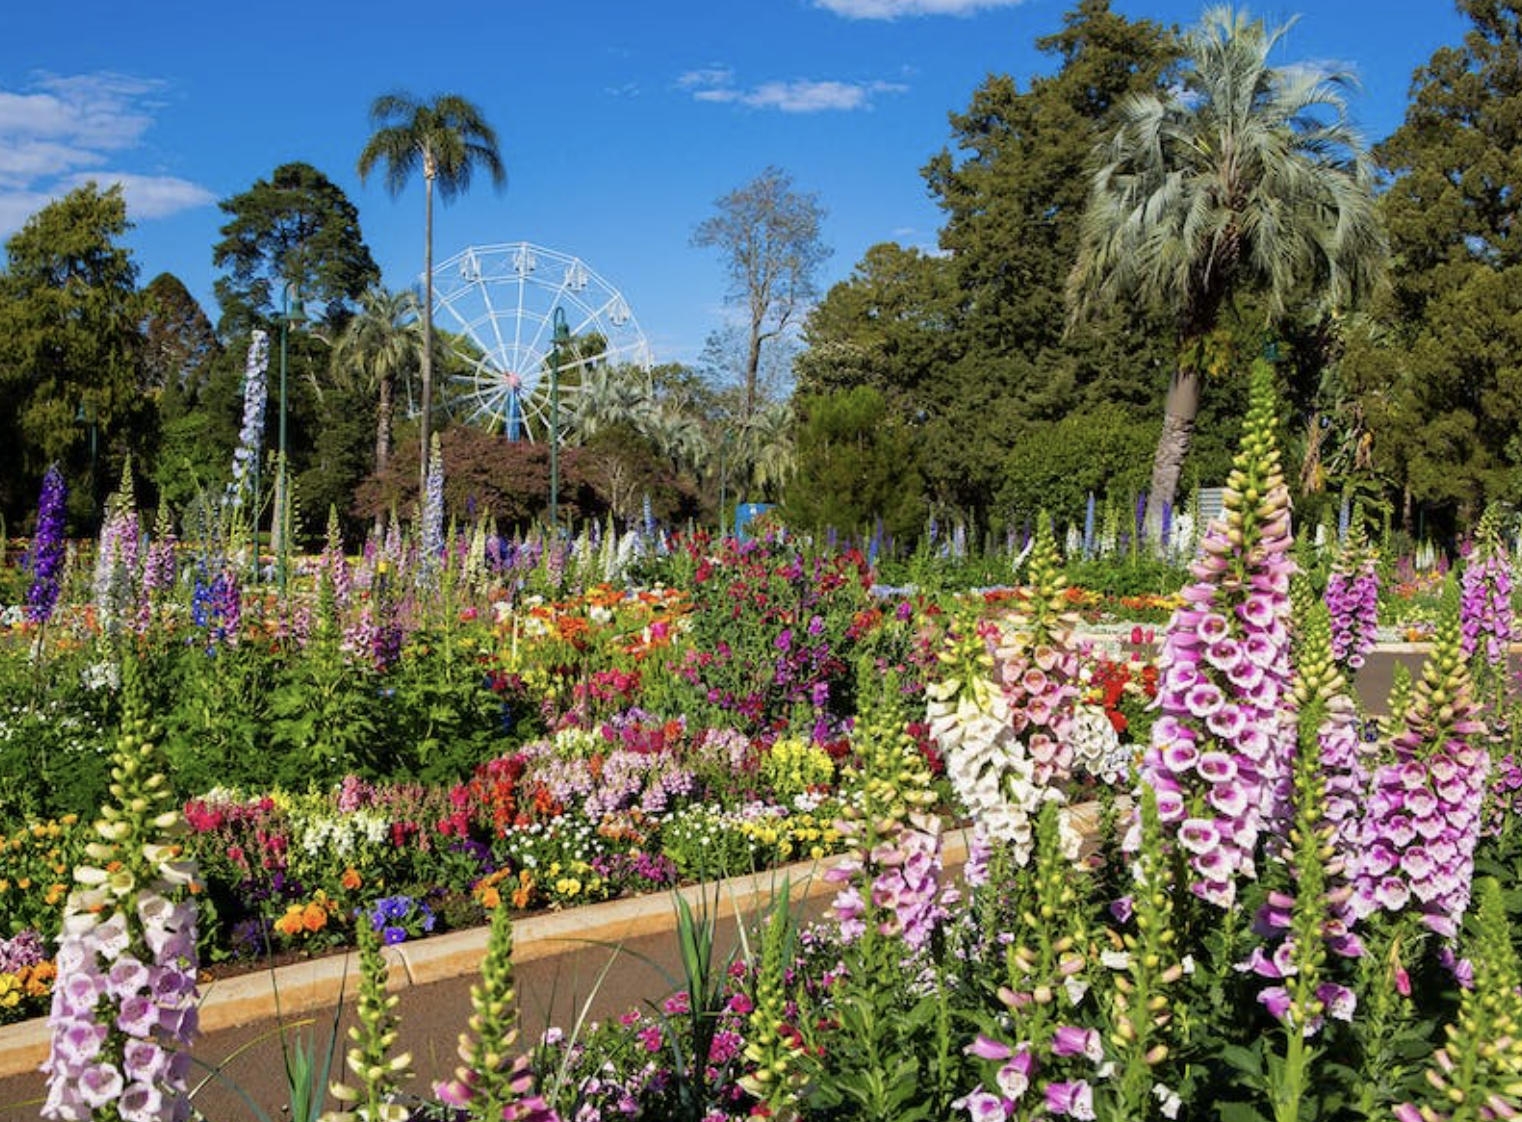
x: 296, y: 228
x: 857, y: 465
x: 1253, y: 184
x: 71, y: 358
x: 1056, y: 465
x: 1438, y: 377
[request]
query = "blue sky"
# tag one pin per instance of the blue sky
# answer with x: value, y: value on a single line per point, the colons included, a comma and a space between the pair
x: 621, y: 121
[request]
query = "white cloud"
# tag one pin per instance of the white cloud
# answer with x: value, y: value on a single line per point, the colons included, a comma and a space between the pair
x: 705, y: 77
x: 56, y: 131
x: 16, y: 207
x: 798, y: 96
x: 895, y: 9
x: 150, y: 196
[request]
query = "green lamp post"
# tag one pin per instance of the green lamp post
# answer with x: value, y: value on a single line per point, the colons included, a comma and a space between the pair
x: 291, y: 312
x: 561, y: 336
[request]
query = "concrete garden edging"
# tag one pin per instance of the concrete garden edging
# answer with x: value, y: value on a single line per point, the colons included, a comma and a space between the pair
x: 318, y: 984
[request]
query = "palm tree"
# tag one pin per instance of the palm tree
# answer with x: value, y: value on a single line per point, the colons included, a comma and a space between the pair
x: 1247, y: 178
x: 609, y: 396
x: 769, y: 447
x: 381, y: 342
x: 675, y: 433
x: 448, y: 139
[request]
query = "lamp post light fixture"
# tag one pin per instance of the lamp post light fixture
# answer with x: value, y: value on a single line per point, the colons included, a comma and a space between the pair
x: 561, y: 336
x: 291, y: 312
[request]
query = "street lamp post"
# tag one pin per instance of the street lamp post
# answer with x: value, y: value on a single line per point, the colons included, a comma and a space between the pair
x: 562, y: 335
x: 291, y: 312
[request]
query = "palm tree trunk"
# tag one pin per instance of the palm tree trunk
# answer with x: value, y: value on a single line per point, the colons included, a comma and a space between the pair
x: 384, y: 408
x: 1180, y: 408
x: 427, y: 364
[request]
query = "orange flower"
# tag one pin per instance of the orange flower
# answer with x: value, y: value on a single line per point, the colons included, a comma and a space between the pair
x: 291, y: 923
x: 314, y: 917
x: 351, y: 879
x: 491, y: 899
x: 525, y: 890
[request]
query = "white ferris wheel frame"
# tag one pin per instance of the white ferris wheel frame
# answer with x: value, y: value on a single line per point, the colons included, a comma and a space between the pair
x: 502, y: 299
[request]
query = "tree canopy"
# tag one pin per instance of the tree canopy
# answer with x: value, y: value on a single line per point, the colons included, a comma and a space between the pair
x: 71, y: 355
x: 768, y: 234
x: 296, y: 228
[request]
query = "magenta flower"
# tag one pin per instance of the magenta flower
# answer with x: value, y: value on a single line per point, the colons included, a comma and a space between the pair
x: 1070, y: 1040
x: 986, y: 1048
x: 984, y: 1107
x: 1422, y: 820
x: 1075, y: 1100
x: 1224, y: 671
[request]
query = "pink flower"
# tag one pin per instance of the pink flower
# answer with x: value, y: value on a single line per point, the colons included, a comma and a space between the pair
x: 986, y: 1048
x: 1014, y: 1078
x: 1075, y: 1100
x: 1070, y: 1040
x: 983, y: 1107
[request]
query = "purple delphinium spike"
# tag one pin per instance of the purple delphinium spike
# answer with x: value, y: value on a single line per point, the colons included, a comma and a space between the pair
x: 45, y: 559
x: 255, y: 395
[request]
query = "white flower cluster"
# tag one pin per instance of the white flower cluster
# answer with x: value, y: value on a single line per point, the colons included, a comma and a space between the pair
x: 989, y: 768
x: 1096, y: 746
x: 341, y: 835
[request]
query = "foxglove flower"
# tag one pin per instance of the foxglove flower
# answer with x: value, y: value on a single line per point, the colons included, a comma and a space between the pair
x: 1423, y: 815
x: 116, y: 561
x: 1352, y: 597
x: 1008, y: 743
x: 491, y: 1084
x: 1485, y: 610
x: 124, y: 1003
x: 1220, y: 752
x: 1475, y: 1074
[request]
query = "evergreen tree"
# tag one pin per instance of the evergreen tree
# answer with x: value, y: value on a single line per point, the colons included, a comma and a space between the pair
x: 71, y: 355
x: 1442, y: 384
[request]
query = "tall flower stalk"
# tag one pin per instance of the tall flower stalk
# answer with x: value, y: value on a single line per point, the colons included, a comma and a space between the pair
x: 251, y: 434
x: 1352, y: 597
x: 1477, y: 1073
x: 1008, y: 742
x: 378, y: 1074
x: 433, y: 514
x: 1485, y: 610
x: 117, y: 566
x: 124, y: 1004
x: 45, y: 558
x: 1423, y: 813
x: 493, y: 1084
x: 1220, y: 752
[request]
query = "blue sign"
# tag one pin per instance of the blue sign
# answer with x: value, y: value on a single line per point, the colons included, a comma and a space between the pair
x: 745, y: 514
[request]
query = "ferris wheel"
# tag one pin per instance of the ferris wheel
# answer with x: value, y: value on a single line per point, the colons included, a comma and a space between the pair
x: 499, y: 303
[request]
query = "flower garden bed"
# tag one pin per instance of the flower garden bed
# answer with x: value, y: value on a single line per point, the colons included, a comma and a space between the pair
x: 1280, y: 909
